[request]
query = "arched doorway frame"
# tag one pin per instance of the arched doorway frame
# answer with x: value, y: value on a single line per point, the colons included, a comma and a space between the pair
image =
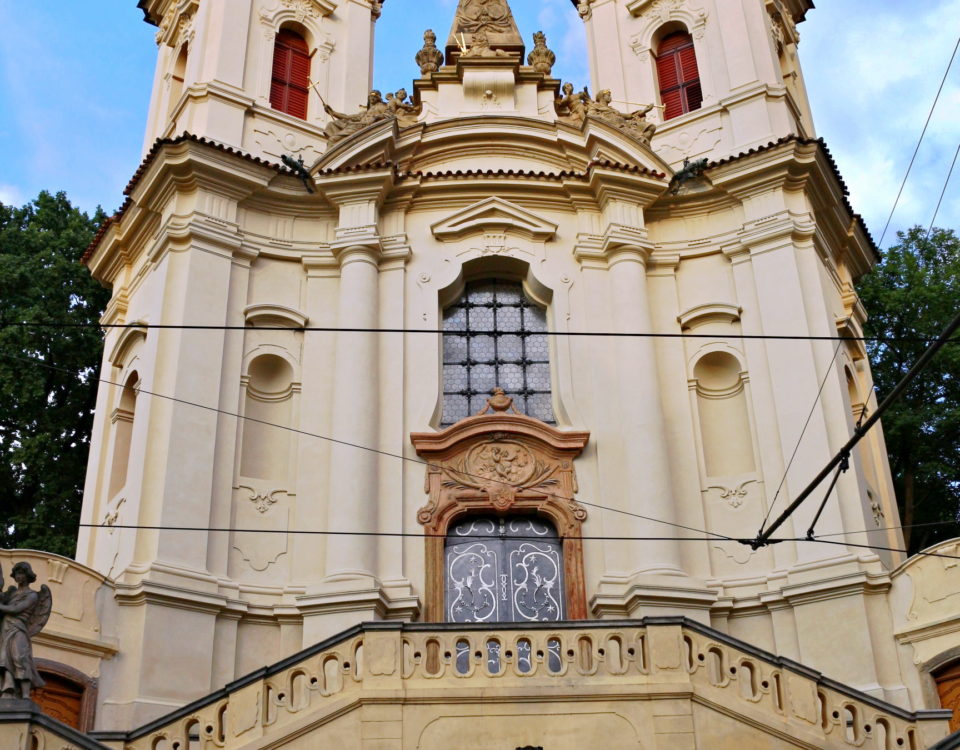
x: 462, y: 480
x: 87, y: 685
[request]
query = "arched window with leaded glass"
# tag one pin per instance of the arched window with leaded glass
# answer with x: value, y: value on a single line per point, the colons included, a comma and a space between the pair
x: 495, y: 336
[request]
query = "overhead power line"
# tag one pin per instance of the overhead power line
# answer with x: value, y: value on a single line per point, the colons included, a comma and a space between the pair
x: 826, y: 376
x: 880, y: 547
x: 844, y: 453
x: 471, y: 332
x: 917, y: 149
x: 400, y: 456
x: 944, y: 191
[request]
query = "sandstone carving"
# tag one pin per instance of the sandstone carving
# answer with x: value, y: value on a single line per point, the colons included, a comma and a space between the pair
x: 480, y: 47
x: 635, y: 123
x: 575, y: 107
x: 541, y: 57
x: 499, y: 402
x: 570, y: 107
x: 429, y: 58
x: 25, y: 612
x: 342, y: 126
x: 401, y: 108
x: 494, y: 19
x: 486, y: 15
x: 396, y: 107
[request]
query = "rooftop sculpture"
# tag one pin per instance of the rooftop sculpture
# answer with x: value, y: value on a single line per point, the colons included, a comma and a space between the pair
x: 25, y: 612
x: 429, y: 58
x: 575, y: 107
x: 396, y: 107
x: 541, y: 57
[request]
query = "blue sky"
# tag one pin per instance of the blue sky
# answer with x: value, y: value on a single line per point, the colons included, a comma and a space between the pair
x: 75, y: 78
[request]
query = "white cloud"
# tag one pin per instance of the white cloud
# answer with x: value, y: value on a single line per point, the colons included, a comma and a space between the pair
x: 11, y: 195
x: 872, y: 71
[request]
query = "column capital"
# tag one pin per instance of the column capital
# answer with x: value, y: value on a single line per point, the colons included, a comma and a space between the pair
x: 357, y: 250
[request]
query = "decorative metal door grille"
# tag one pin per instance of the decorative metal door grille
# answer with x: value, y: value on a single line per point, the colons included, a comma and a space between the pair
x: 495, y: 337
x: 504, y: 570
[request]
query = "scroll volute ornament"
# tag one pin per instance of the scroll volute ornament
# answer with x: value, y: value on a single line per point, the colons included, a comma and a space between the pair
x: 501, y: 464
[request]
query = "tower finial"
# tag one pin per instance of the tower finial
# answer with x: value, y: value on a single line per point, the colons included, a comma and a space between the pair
x: 491, y: 16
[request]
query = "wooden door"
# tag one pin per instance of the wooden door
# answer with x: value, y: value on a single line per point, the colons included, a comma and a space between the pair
x: 948, y: 686
x: 61, y: 699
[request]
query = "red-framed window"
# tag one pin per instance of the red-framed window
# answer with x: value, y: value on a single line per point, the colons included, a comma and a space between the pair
x: 677, y: 73
x: 290, y: 83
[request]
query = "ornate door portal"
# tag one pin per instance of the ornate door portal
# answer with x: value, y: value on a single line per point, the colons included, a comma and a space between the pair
x: 504, y: 570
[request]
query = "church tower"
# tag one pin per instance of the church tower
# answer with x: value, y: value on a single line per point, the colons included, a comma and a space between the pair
x: 256, y: 74
x: 726, y: 72
x: 411, y: 379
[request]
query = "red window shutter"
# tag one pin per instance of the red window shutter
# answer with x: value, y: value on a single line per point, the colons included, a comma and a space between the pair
x: 673, y: 104
x: 667, y: 72
x: 694, y: 97
x: 678, y: 75
x: 688, y: 64
x: 290, y: 82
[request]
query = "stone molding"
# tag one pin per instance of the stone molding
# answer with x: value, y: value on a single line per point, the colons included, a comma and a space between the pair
x: 656, y: 659
x: 493, y: 215
x: 458, y: 486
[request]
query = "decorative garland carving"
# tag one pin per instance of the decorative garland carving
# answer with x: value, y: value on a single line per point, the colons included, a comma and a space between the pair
x: 502, y: 464
x: 176, y: 26
x: 300, y: 11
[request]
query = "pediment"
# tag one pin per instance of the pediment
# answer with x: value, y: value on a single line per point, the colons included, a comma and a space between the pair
x: 493, y: 215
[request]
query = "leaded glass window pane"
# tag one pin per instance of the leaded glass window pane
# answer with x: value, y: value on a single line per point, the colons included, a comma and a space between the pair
x: 494, y: 336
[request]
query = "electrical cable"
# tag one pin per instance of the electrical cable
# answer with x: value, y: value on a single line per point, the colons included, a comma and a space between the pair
x: 862, y: 430
x: 880, y: 547
x: 400, y: 456
x: 409, y: 534
x: 917, y: 149
x: 472, y: 332
x: 783, y: 479
x: 887, y: 528
x: 841, y: 468
x: 943, y: 192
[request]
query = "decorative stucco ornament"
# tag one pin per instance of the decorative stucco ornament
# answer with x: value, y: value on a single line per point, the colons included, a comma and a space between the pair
x: 429, y: 58
x: 480, y: 47
x: 24, y: 612
x: 541, y: 57
x: 498, y: 402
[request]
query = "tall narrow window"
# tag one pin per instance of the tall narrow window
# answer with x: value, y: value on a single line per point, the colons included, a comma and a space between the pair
x: 291, y: 74
x: 494, y: 336
x: 678, y: 75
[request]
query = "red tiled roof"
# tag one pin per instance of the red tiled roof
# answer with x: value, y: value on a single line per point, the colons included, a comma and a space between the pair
x: 159, y: 144
x: 821, y: 144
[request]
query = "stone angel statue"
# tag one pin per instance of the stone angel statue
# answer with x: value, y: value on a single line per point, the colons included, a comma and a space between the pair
x: 25, y: 612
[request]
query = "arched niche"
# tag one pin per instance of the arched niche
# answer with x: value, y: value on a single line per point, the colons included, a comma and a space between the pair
x: 503, y: 465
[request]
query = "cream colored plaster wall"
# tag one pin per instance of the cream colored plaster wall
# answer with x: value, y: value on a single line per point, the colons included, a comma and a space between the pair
x: 696, y: 431
x: 267, y: 593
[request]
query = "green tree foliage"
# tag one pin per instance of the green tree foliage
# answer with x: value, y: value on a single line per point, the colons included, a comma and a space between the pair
x: 913, y: 293
x: 46, y: 414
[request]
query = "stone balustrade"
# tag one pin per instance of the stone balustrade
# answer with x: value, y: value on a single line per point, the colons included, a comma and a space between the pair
x: 439, y: 667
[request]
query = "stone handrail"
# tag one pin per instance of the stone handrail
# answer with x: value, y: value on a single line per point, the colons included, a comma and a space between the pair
x: 656, y: 656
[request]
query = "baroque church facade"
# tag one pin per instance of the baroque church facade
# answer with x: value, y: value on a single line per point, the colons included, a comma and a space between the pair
x: 363, y: 471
